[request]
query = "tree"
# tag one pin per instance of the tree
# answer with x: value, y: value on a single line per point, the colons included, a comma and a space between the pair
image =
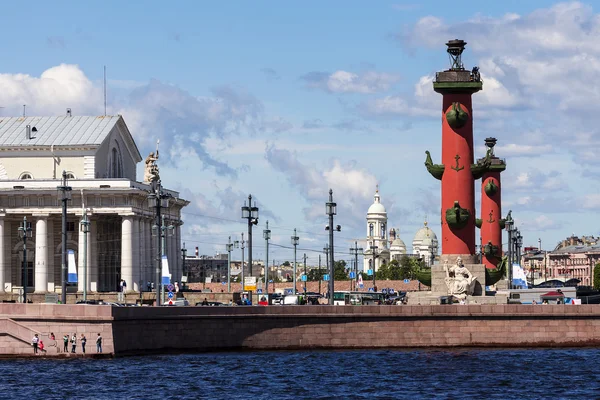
x: 286, y: 264
x: 383, y: 273
x: 395, y: 271
x: 316, y: 275
x: 339, y: 272
x: 597, y: 276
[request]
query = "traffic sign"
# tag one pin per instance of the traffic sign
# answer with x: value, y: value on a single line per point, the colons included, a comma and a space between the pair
x: 326, y: 277
x: 170, y: 295
x: 170, y: 302
x: 370, y: 272
x: 304, y: 278
x: 259, y: 291
x: 352, y: 275
x: 371, y: 289
x: 170, y: 287
x: 407, y: 281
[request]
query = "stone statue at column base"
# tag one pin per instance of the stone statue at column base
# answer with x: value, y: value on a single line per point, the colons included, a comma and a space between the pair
x: 459, y: 280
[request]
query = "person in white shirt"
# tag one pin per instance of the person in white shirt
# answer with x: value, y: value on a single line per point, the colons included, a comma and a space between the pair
x: 35, y: 341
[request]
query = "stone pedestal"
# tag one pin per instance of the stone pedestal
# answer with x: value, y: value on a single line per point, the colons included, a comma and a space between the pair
x: 438, y: 276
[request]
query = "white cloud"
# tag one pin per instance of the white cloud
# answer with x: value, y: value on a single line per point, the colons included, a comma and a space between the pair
x: 352, y: 187
x: 57, y: 88
x: 349, y: 82
x: 591, y: 201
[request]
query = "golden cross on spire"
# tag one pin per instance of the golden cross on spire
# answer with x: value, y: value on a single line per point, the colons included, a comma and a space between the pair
x: 377, y: 188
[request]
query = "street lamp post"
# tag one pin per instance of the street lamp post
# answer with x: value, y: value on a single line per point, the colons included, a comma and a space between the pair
x: 25, y: 232
x: 183, y: 270
x: 374, y: 251
x: 355, y: 249
x: 331, y: 210
x: 319, y: 274
x: 509, y: 224
x: 250, y: 213
x: 326, y: 251
x: 65, y: 196
x: 267, y: 236
x: 305, y: 276
x: 230, y: 247
x: 158, y: 200
x: 242, y: 247
x: 85, y: 229
x: 295, y: 240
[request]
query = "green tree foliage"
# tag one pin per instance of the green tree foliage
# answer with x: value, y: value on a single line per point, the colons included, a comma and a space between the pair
x: 383, y: 273
x: 286, y: 264
x: 340, y: 273
x: 316, y: 275
x: 597, y: 276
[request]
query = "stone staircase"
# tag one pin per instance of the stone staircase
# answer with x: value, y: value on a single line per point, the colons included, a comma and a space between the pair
x: 15, y: 338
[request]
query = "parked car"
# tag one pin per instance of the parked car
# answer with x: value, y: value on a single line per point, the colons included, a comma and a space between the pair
x: 211, y: 303
x: 178, y: 303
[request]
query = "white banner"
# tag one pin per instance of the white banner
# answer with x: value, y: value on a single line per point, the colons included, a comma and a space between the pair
x: 72, y: 267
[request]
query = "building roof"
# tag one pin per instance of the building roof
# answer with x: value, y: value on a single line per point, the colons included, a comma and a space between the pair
x: 577, y: 249
x: 56, y: 131
x: 425, y: 233
x: 376, y: 207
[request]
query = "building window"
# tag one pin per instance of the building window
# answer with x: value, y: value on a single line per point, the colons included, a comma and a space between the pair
x: 70, y: 226
x: 370, y: 230
x: 70, y: 175
x: 383, y: 231
x: 26, y: 175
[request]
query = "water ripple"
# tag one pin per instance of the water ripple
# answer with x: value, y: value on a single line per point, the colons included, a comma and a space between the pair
x: 357, y: 374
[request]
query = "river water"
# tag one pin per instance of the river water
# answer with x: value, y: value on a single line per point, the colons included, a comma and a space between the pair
x: 345, y: 374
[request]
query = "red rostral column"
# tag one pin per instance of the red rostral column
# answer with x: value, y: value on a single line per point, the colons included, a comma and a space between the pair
x: 491, y: 223
x: 457, y: 85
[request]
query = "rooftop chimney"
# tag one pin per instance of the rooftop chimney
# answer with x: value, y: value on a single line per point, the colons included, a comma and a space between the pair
x: 28, y: 132
x: 69, y: 112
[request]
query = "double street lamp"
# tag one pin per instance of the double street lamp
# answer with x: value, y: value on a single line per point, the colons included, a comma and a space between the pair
x: 230, y: 246
x: 25, y: 232
x: 295, y: 240
x: 355, y: 250
x: 158, y: 200
x: 250, y: 213
x: 331, y: 210
x: 85, y: 229
x: 64, y: 195
x: 267, y: 236
x: 374, y: 248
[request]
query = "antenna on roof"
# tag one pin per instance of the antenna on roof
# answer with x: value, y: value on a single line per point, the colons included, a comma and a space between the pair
x: 105, y: 90
x: 24, y: 109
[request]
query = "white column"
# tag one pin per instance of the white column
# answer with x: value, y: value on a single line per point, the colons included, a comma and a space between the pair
x: 136, y: 259
x: 178, y: 252
x: 80, y: 252
x: 3, y: 272
x: 126, y: 251
x: 93, y: 256
x: 41, y: 255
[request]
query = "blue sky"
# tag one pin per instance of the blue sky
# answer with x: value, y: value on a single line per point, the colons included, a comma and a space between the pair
x: 287, y: 99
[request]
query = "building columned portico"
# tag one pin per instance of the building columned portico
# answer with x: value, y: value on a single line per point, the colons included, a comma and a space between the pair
x: 100, y: 158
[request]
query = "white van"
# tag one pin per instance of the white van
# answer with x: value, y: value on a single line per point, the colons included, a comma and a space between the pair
x: 289, y: 299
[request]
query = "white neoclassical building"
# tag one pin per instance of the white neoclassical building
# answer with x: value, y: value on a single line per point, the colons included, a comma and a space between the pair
x: 376, y: 235
x: 99, y: 156
x: 424, y: 245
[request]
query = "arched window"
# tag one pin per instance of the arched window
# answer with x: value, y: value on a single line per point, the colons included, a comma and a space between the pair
x: 383, y: 231
x: 70, y: 175
x: 371, y: 230
x: 370, y: 264
x: 116, y: 163
x: 26, y: 175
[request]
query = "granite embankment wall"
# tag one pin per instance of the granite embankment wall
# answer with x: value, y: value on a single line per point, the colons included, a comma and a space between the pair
x: 139, y: 330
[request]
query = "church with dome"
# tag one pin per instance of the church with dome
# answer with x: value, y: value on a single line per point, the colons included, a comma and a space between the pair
x: 382, y: 247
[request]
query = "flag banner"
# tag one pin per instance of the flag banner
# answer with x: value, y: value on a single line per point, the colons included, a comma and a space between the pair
x: 518, y: 278
x: 166, y: 276
x: 72, y: 267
